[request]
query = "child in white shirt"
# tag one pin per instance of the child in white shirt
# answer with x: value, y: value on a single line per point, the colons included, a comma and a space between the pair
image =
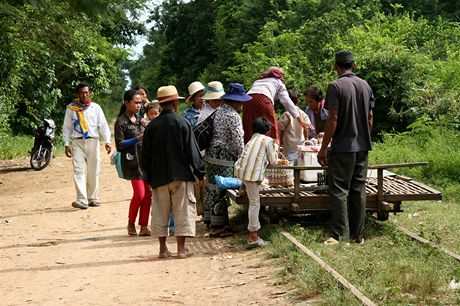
x: 292, y: 133
x: 250, y: 168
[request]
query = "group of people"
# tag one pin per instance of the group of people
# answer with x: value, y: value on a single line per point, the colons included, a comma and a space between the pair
x: 169, y: 173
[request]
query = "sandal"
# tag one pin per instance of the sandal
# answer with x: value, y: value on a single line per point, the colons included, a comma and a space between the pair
x: 145, y: 232
x: 132, y: 229
x: 259, y: 243
x: 225, y: 232
x: 165, y: 255
x: 186, y: 254
x: 331, y: 241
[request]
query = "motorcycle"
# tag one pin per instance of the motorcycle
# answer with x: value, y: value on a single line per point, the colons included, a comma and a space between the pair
x: 41, y: 153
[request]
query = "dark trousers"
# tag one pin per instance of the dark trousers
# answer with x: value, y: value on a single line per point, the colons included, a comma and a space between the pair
x: 347, y: 189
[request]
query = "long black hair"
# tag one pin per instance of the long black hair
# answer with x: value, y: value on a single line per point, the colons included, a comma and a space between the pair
x: 142, y: 87
x: 128, y: 96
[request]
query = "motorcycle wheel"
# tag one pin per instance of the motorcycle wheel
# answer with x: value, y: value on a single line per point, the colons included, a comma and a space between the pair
x: 40, y: 158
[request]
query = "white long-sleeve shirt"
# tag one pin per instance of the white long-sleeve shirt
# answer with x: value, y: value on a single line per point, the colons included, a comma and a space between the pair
x: 274, y: 89
x: 205, y: 112
x: 97, y: 124
x: 293, y: 132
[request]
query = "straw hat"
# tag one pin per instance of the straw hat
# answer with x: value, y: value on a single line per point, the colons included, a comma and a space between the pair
x: 167, y: 93
x: 193, y: 89
x: 214, y: 90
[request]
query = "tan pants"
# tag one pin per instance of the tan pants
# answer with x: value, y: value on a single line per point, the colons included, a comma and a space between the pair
x: 86, y: 168
x: 199, y: 196
x: 178, y: 196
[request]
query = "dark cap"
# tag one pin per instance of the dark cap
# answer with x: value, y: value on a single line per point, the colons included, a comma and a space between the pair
x: 344, y: 57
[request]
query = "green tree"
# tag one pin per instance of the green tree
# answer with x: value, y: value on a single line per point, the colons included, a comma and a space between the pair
x: 45, y: 49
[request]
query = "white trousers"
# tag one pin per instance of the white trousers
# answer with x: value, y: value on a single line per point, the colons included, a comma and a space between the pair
x: 252, y: 188
x: 86, y: 160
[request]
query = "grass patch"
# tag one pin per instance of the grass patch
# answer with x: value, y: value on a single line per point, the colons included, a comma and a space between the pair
x: 389, y: 268
x: 19, y: 146
x: 438, y: 145
x: 438, y: 222
x: 15, y: 146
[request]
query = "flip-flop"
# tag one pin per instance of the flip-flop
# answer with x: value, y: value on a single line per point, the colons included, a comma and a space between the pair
x: 165, y: 255
x: 214, y: 235
x: 186, y: 254
x: 225, y: 234
x: 331, y: 241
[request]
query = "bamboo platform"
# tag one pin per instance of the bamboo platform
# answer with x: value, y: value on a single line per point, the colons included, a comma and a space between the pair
x: 384, y: 194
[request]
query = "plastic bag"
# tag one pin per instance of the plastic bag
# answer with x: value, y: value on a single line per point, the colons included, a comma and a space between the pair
x: 228, y: 182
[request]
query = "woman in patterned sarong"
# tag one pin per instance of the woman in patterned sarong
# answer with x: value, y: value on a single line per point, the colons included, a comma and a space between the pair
x: 224, y: 150
x: 264, y: 91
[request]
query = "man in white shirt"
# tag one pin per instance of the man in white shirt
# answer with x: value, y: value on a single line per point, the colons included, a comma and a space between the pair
x: 84, y: 123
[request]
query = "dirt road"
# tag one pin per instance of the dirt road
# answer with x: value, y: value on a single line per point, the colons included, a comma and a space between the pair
x: 53, y: 254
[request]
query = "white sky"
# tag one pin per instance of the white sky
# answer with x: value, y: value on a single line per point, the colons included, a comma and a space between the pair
x: 141, y: 40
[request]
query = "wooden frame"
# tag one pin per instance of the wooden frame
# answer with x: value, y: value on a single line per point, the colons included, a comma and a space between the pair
x: 384, y: 194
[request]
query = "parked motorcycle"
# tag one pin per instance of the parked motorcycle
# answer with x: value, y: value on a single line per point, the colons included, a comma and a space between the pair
x: 42, y: 152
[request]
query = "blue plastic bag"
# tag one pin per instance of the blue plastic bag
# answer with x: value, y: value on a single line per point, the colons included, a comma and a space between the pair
x: 228, y: 182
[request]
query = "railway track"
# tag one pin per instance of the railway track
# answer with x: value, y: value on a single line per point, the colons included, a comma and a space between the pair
x: 426, y: 242
x: 342, y: 280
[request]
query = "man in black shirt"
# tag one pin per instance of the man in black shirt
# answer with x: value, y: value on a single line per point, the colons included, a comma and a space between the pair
x: 171, y: 161
x: 350, y: 101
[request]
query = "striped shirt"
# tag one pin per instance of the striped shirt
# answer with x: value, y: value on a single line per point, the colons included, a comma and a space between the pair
x: 257, y: 154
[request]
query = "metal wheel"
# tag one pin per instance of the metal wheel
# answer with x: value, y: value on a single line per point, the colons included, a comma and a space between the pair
x: 40, y: 158
x: 383, y: 216
x: 274, y: 215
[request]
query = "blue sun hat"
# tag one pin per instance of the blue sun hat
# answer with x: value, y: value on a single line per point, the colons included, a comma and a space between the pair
x: 236, y: 92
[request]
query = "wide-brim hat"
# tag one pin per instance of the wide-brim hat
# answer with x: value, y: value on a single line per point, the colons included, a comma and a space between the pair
x: 167, y: 93
x: 193, y: 88
x: 236, y: 92
x: 213, y: 91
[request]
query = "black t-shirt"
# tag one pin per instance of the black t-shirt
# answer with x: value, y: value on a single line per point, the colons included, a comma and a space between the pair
x: 319, y: 122
x: 352, y: 97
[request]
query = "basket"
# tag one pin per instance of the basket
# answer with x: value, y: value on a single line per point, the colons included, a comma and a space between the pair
x: 280, y: 177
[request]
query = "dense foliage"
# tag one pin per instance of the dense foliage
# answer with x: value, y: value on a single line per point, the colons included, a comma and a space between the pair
x: 428, y: 140
x: 47, y: 46
x: 407, y: 50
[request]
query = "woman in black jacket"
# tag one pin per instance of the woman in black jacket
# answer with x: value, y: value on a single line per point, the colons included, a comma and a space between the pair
x: 129, y: 133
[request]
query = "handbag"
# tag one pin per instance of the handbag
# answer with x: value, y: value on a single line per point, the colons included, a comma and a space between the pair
x: 203, y: 132
x: 280, y: 177
x: 115, y: 159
